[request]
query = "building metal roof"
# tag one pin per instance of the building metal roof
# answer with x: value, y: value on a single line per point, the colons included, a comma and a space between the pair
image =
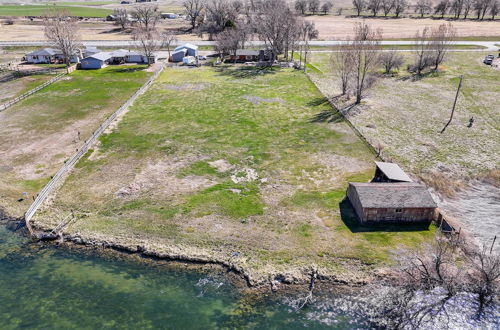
x: 393, y: 172
x: 180, y: 50
x: 393, y: 195
x: 102, y: 56
x: 120, y: 53
x: 44, y: 52
x: 187, y: 45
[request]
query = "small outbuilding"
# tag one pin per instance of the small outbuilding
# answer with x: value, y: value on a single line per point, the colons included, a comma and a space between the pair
x: 96, y: 61
x: 390, y: 172
x: 178, y: 55
x: 383, y: 202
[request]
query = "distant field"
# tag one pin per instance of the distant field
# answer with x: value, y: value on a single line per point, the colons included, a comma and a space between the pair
x: 39, y: 133
x: 223, y: 161
x: 39, y: 10
x: 406, y: 116
x: 85, y: 3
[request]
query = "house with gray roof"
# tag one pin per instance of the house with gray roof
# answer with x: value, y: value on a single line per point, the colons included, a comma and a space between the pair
x: 96, y: 61
x: 50, y: 55
x: 391, y: 202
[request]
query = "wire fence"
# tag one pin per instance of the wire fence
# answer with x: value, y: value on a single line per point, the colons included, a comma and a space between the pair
x: 30, y: 92
x: 68, y: 165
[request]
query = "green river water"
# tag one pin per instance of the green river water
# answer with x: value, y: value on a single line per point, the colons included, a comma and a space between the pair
x: 46, y: 287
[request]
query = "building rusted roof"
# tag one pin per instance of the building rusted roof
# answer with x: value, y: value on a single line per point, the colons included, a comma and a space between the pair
x: 393, y: 172
x: 393, y: 195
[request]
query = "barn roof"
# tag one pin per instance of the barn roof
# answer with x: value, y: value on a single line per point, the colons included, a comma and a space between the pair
x: 393, y: 171
x: 393, y: 195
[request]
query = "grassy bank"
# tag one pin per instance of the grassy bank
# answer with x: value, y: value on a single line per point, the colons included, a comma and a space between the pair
x: 406, y: 115
x: 226, y: 164
x: 39, y: 133
x: 39, y: 10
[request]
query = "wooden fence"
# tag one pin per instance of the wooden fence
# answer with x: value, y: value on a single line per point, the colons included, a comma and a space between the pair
x: 34, y: 90
x: 68, y: 165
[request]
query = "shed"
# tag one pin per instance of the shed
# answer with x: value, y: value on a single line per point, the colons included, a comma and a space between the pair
x: 390, y: 172
x: 179, y: 54
x: 135, y: 57
x: 96, y: 61
x: 192, y: 50
x: 405, y: 202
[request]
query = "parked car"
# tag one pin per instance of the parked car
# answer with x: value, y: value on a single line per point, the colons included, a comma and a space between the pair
x: 202, y: 58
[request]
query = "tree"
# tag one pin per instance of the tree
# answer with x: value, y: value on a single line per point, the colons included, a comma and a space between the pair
x: 391, y: 60
x: 168, y: 38
x: 399, y: 7
x: 422, y: 59
x: 467, y: 6
x: 301, y: 6
x: 481, y: 7
x: 374, y: 6
x: 365, y: 52
x: 230, y: 40
x: 494, y: 9
x: 342, y: 64
x: 147, y: 16
x: 423, y: 7
x: 387, y: 6
x: 314, y: 6
x: 441, y: 39
x: 220, y: 14
x: 194, y: 9
x: 121, y: 17
x: 456, y: 8
x: 308, y: 32
x: 326, y: 7
x: 359, y: 5
x: 442, y: 7
x: 146, y: 39
x: 62, y: 31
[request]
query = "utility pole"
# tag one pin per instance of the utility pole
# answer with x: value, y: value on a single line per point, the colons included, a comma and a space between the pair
x: 454, y: 104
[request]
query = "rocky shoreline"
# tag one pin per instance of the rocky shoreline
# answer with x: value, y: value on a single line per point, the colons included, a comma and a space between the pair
x: 253, y: 279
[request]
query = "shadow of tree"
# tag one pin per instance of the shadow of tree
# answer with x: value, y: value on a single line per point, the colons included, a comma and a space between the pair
x: 245, y: 71
x: 351, y: 220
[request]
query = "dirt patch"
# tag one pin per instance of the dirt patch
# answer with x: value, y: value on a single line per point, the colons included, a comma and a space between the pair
x: 343, y: 163
x: 221, y: 165
x: 258, y: 100
x: 185, y: 87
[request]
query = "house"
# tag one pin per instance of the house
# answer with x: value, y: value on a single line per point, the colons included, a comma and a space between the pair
x: 135, y: 57
x: 383, y: 202
x: 118, y: 56
x: 50, y: 55
x: 390, y: 172
x: 191, y: 50
x: 246, y: 55
x: 96, y: 61
x: 89, y: 51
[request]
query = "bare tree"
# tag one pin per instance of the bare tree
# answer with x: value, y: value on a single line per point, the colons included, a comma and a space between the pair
x: 314, y: 6
x: 359, y: 5
x: 168, y: 38
x: 423, y: 7
x: 494, y: 9
x: 326, y: 7
x: 374, y: 6
x: 229, y: 41
x: 147, y: 16
x: 308, y: 32
x: 146, y: 39
x: 194, y: 10
x: 441, y: 39
x: 387, y: 6
x: 342, y: 64
x: 422, y: 59
x: 301, y: 6
x: 399, y: 7
x: 62, y: 31
x: 121, y: 17
x: 365, y: 52
x: 442, y: 7
x: 220, y: 14
x: 481, y: 7
x: 456, y: 8
x: 391, y: 60
x: 468, y: 4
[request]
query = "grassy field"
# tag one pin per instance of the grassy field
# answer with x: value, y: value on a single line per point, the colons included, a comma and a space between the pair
x: 39, y: 133
x: 39, y: 10
x: 406, y: 115
x: 227, y: 163
x: 12, y: 88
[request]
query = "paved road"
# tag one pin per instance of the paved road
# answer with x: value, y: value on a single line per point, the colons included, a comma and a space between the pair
x: 490, y: 45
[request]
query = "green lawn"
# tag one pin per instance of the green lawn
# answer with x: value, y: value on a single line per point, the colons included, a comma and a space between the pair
x: 40, y: 10
x: 228, y: 160
x: 39, y: 133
